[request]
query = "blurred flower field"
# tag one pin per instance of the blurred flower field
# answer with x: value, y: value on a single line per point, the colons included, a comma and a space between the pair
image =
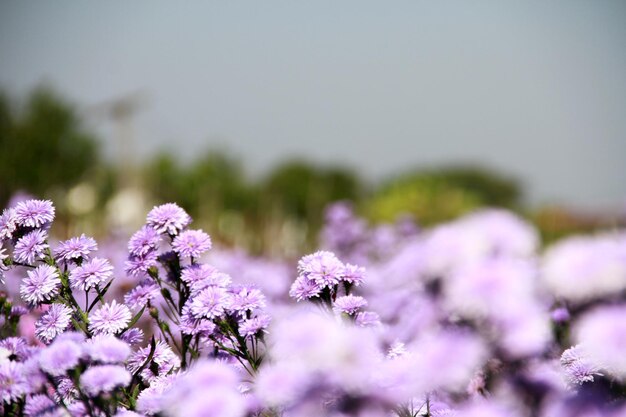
x: 470, y: 317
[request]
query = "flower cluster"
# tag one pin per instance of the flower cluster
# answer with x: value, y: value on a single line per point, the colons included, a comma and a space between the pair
x: 468, y: 318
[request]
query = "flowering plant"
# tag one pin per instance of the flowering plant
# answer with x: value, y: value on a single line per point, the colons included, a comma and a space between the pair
x: 465, y: 319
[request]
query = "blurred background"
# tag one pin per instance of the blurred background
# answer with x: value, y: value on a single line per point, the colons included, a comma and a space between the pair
x: 254, y: 116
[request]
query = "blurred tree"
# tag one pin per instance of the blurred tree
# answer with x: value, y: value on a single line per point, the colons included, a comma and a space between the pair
x: 43, y: 145
x: 433, y: 196
x: 301, y: 190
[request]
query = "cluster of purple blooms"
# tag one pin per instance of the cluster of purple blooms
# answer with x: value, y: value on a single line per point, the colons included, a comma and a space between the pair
x: 468, y: 318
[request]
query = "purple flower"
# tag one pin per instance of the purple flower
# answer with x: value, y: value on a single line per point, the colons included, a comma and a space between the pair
x: 602, y: 332
x: 210, y: 302
x: 53, y: 322
x: 34, y: 213
x: 322, y: 267
x: 349, y: 304
x: 76, y: 248
x: 304, y: 288
x: 107, y: 349
x: 139, y: 296
x: 198, y: 272
x: 39, y: 405
x: 132, y: 336
x: 41, y: 284
x: 577, y: 366
x: 104, y: 379
x: 168, y: 218
x: 191, y: 243
x: 353, y: 274
x: 111, y: 318
x: 250, y: 327
x: 13, y: 384
x: 194, y: 326
x: 59, y: 357
x: 143, y: 241
x: 91, y: 274
x: 367, y: 319
x: 7, y: 224
x: 246, y: 299
x: 139, y: 265
x: 16, y: 347
x: 31, y: 247
x: 165, y: 360
x: 150, y: 401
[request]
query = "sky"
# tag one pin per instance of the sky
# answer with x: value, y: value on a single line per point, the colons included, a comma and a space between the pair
x: 534, y: 89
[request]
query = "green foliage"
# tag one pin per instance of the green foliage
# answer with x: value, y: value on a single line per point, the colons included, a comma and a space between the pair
x: 433, y: 196
x: 302, y: 190
x: 43, y: 145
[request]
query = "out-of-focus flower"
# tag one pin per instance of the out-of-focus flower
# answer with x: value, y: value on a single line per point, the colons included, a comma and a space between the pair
x: 367, y: 319
x: 59, y: 357
x: 104, y: 379
x: 41, y: 284
x: 31, y: 247
x: 40, y: 405
x: 107, y: 349
x: 132, y: 336
x: 110, y: 318
x: 34, y: 213
x: 91, y: 274
x: 602, y: 332
x: 16, y: 348
x: 13, y: 384
x: 150, y: 401
x: 191, y: 243
x: 579, y: 269
x: 76, y: 248
x: 53, y: 322
x: 209, y: 389
x: 168, y: 218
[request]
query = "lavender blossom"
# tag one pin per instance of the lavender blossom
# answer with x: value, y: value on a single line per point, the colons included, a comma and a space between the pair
x: 59, y: 357
x: 91, y: 274
x: 31, y: 247
x: 246, y: 299
x: 16, y: 348
x: 367, y: 319
x: 54, y: 322
x: 13, y: 384
x: 210, y: 302
x: 251, y: 327
x: 132, y: 336
x: 349, y: 304
x: 304, y: 288
x: 141, y: 295
x: 76, y: 248
x: 150, y: 401
x: 107, y: 349
x: 111, y: 318
x: 34, y: 213
x: 353, y: 274
x: 164, y: 358
x: 191, y: 243
x: 322, y: 267
x: 195, y: 326
x: 577, y: 366
x: 168, y: 218
x: 7, y: 224
x: 137, y: 266
x: 143, y: 241
x: 104, y: 379
x: 39, y: 405
x: 41, y: 284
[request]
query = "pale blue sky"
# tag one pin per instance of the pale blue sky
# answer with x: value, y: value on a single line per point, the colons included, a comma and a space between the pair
x: 534, y: 88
